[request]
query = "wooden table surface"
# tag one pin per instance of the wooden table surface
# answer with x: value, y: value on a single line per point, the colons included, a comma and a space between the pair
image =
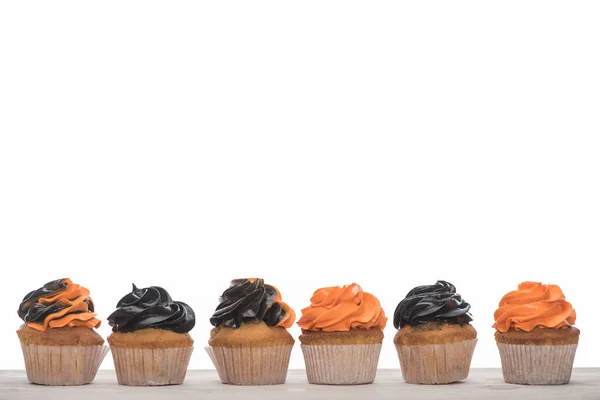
x: 484, y: 384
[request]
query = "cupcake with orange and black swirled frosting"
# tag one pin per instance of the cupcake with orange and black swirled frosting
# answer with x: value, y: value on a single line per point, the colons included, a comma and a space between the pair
x: 250, y: 344
x: 60, y: 346
x: 342, y: 332
x: 535, y: 335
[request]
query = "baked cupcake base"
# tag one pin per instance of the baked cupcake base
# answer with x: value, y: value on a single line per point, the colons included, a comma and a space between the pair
x: 254, y: 354
x: 435, y: 353
x: 251, y: 365
x: 61, y: 356
x: 62, y: 365
x: 151, y: 367
x: 354, y: 364
x: 151, y: 357
x: 540, y: 357
x: 341, y: 358
x: 537, y: 365
x: 437, y: 363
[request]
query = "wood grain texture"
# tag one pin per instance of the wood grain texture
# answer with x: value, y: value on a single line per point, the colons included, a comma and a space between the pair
x: 482, y: 384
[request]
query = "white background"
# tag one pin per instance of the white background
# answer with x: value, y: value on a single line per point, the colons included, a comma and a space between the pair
x: 312, y: 143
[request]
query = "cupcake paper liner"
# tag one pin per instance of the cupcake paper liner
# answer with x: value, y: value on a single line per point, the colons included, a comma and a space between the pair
x: 436, y: 363
x: 251, y: 365
x: 151, y: 367
x: 341, y: 364
x: 537, y: 365
x: 62, y: 365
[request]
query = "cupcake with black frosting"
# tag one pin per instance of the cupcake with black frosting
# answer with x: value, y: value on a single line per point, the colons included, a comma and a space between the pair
x: 150, y: 342
x: 435, y: 340
x: 250, y: 344
x: 60, y: 346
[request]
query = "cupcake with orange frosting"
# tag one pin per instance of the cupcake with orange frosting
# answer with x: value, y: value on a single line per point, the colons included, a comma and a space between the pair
x: 435, y: 340
x: 250, y: 344
x: 342, y: 332
x: 535, y: 335
x: 60, y: 346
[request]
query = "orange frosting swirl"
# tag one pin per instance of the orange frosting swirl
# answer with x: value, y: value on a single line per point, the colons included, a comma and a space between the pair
x: 534, y: 305
x: 335, y: 309
x: 290, y: 315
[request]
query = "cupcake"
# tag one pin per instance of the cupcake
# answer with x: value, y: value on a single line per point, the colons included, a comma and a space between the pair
x: 342, y: 332
x: 435, y: 341
x: 250, y: 344
x: 59, y: 343
x: 150, y: 342
x: 535, y: 335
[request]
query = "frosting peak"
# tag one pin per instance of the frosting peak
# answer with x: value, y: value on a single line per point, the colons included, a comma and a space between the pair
x: 341, y: 309
x: 58, y: 304
x: 432, y: 303
x: 533, y: 305
x: 151, y: 307
x: 251, y: 300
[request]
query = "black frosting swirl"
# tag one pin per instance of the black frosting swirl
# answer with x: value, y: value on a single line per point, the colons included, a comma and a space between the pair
x: 151, y: 307
x: 30, y: 310
x: 248, y: 301
x: 432, y: 303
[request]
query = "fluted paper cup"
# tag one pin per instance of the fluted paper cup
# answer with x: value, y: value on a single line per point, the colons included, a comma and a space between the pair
x: 251, y: 365
x: 62, y: 365
x: 436, y: 363
x: 341, y: 364
x: 537, y: 365
x: 151, y: 367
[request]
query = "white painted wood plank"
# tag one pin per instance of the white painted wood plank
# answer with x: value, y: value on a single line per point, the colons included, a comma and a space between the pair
x: 482, y: 384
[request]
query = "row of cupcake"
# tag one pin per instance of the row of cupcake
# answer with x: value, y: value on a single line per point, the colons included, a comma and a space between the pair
x: 342, y: 333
